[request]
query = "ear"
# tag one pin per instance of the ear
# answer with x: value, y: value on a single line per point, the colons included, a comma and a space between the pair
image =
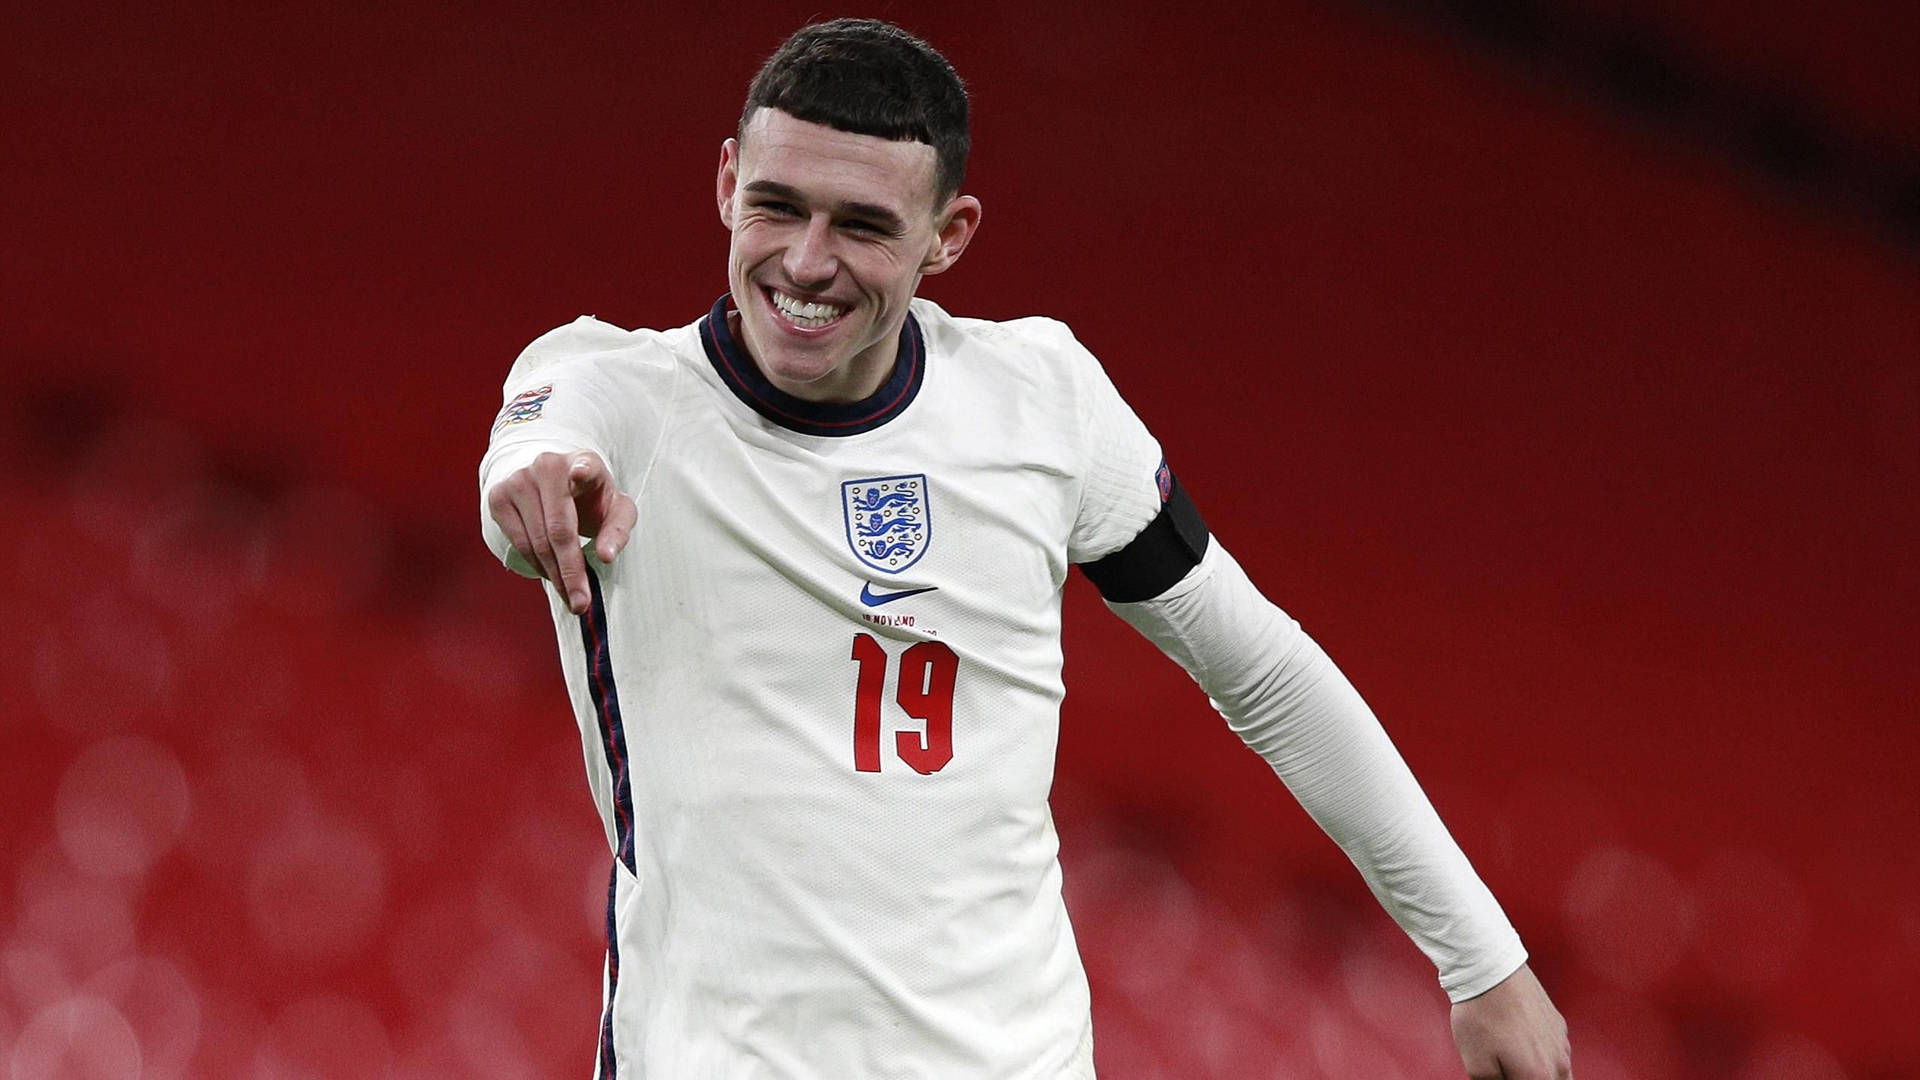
x: 728, y: 180
x: 957, y: 224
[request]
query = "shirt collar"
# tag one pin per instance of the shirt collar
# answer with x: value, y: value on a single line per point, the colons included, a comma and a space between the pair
x: 834, y: 418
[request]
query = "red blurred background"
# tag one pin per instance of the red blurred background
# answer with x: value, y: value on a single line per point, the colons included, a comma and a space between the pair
x: 1557, y: 364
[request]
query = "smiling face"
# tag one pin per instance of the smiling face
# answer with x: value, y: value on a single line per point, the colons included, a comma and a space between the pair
x: 832, y: 233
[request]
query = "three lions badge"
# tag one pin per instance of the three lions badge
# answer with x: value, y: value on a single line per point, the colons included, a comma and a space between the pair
x: 889, y: 521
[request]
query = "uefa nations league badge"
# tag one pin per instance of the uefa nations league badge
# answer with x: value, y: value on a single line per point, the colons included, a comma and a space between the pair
x: 889, y: 522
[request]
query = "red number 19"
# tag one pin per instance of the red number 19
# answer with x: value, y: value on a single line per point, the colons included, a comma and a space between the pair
x: 925, y: 692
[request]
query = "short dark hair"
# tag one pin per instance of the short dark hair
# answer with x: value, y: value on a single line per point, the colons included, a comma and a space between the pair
x: 869, y: 77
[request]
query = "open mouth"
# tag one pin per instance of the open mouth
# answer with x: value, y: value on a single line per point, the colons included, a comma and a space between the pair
x: 804, y: 314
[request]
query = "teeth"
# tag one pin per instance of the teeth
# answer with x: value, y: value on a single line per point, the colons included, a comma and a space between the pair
x: 811, y: 314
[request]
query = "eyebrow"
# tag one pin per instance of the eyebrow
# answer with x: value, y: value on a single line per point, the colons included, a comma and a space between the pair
x: 880, y: 215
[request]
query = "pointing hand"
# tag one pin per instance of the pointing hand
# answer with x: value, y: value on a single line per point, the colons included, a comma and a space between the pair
x: 546, y: 508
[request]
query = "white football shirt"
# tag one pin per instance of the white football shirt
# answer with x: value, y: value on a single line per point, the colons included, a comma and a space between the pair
x: 819, y: 691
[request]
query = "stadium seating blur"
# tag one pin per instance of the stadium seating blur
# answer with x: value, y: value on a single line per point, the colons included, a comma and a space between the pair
x: 289, y: 787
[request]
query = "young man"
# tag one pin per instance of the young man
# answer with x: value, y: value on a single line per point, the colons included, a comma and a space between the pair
x: 815, y: 648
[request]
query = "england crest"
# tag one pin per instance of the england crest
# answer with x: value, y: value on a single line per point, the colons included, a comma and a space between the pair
x: 889, y: 521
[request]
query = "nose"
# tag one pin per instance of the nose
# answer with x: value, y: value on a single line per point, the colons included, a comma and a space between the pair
x: 810, y: 261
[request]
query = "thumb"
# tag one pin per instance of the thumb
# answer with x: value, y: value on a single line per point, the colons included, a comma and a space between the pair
x: 585, y: 471
x: 590, y: 484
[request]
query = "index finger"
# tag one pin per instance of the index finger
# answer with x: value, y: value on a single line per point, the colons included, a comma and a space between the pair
x: 563, y: 532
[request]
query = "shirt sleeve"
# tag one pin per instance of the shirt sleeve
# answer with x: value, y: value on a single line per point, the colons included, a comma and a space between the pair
x: 572, y: 389
x: 1135, y: 533
x: 1118, y: 494
x: 1287, y: 701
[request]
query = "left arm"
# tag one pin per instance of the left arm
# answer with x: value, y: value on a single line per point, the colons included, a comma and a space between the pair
x: 1140, y: 540
x: 1285, y: 698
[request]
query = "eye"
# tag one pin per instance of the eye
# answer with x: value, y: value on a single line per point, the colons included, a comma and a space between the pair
x: 774, y: 206
x: 872, y: 230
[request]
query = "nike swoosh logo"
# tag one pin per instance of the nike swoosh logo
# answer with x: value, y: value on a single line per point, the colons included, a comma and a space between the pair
x: 874, y: 599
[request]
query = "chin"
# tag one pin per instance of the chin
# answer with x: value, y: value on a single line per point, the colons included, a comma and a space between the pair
x: 801, y: 370
x: 780, y: 356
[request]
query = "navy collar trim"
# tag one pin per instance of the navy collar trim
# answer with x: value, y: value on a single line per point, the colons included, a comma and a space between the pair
x: 742, y: 376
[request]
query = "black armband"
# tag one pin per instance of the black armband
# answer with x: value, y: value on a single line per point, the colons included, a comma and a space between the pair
x: 1156, y: 560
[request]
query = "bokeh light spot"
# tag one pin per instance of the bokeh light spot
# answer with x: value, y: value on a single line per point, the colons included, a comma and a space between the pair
x: 106, y: 669
x: 79, y: 1038
x: 1790, y: 1057
x: 36, y: 975
x: 162, y: 1008
x: 121, y: 805
x: 1629, y: 915
x: 507, y: 1015
x: 316, y: 890
x: 324, y: 1038
x: 83, y: 922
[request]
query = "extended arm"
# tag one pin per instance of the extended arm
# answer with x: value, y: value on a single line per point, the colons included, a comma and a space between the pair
x: 576, y: 398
